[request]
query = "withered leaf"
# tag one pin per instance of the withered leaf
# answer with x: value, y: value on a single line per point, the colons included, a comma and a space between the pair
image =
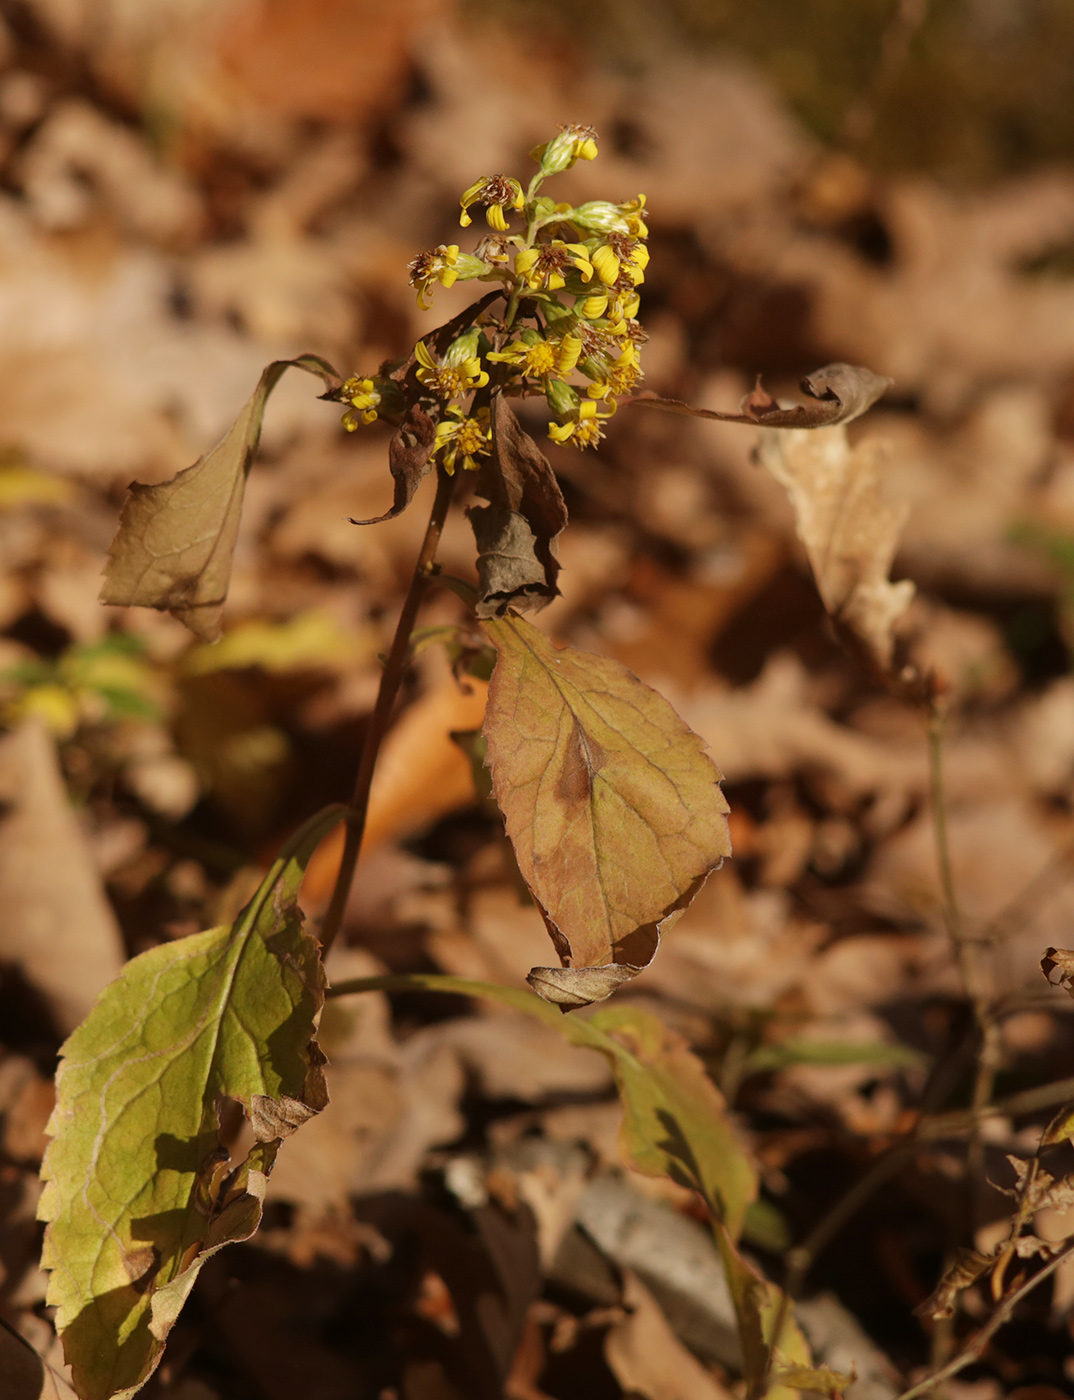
x: 610, y: 800
x: 410, y: 451
x: 516, y: 532
x: 1060, y: 960
x: 850, y: 531
x: 175, y: 542
x: 840, y: 392
x: 965, y: 1269
x: 410, y: 455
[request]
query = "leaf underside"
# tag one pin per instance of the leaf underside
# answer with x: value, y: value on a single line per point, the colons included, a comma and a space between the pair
x: 175, y: 542
x: 138, y: 1187
x: 610, y: 800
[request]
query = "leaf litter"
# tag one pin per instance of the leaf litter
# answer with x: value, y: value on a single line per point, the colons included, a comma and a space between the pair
x: 718, y: 559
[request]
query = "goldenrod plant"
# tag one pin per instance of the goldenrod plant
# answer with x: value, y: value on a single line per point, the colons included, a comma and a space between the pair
x: 612, y: 804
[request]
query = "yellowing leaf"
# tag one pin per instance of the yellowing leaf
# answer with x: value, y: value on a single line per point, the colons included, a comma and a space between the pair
x: 175, y: 542
x: 674, y: 1117
x: 610, y: 800
x: 138, y: 1188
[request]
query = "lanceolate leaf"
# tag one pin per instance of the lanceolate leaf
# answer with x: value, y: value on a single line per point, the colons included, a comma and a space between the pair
x: 611, y: 802
x: 175, y: 542
x: 138, y: 1187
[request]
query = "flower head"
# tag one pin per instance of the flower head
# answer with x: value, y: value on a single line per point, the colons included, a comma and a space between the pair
x: 369, y: 399
x: 438, y: 265
x: 546, y: 266
x: 537, y: 357
x: 459, y: 437
x: 457, y: 373
x: 574, y: 142
x: 494, y: 194
x: 632, y: 212
x: 620, y: 258
x: 585, y: 425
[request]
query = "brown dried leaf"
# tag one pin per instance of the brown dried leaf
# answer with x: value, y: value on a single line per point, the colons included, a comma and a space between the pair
x: 57, y: 924
x: 850, y: 532
x: 1059, y: 960
x: 611, y: 802
x: 516, y: 532
x: 647, y: 1358
x: 410, y: 455
x: 841, y: 393
x: 966, y: 1269
x: 175, y: 541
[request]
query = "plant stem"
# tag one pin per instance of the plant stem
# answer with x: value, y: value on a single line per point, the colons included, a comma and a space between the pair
x: 977, y: 1343
x: 391, y: 679
x: 973, y: 982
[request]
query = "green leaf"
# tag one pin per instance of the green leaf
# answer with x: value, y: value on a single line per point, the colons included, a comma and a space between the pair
x: 611, y: 802
x: 138, y: 1187
x: 831, y: 1052
x: 175, y: 541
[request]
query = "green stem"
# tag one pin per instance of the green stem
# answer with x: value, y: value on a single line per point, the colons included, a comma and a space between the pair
x: 391, y: 679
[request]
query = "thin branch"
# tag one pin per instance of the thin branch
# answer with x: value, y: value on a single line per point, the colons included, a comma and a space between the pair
x: 391, y: 679
x: 973, y: 982
x: 977, y: 1343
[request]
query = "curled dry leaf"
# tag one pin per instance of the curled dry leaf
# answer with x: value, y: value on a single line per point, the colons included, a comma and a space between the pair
x: 516, y: 532
x: 175, y: 542
x: 850, y: 531
x: 611, y: 802
x: 139, y: 1189
x: 840, y: 393
x: 1061, y: 961
x: 410, y: 452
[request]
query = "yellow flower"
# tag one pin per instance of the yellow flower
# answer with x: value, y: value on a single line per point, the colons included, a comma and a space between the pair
x: 462, y: 437
x: 439, y: 265
x: 620, y: 256
x: 457, y: 373
x: 619, y: 377
x: 592, y: 307
x: 540, y: 358
x: 585, y: 426
x: 547, y: 265
x: 574, y: 142
x: 493, y: 193
x: 364, y: 397
x: 632, y: 212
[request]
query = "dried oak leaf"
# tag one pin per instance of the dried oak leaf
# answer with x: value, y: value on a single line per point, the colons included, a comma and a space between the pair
x: 611, y: 802
x: 175, y: 542
x: 840, y: 393
x: 850, y: 531
x: 516, y: 532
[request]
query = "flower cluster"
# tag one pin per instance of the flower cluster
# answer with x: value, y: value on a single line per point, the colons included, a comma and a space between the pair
x: 568, y: 330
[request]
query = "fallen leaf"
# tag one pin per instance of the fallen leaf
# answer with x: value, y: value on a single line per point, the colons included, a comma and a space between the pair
x: 137, y: 1187
x: 58, y: 925
x: 647, y: 1358
x: 516, y: 533
x: 612, y: 805
x: 175, y: 542
x: 841, y: 393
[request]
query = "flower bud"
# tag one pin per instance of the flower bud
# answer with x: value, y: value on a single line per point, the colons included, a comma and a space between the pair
x: 598, y: 216
x: 573, y: 143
